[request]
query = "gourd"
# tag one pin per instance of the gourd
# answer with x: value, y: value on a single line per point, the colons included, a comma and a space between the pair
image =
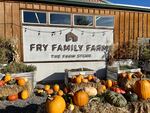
x: 80, y: 98
x: 11, y: 82
x: 13, y: 97
x: 91, y: 91
x: 55, y: 105
x: 84, y: 80
x: 2, y: 83
x: 131, y: 97
x: 108, y: 83
x: 56, y: 88
x: 46, y: 87
x: 24, y: 94
x: 115, y: 99
x: 101, y: 89
x: 89, y: 77
x: 7, y: 77
x: 78, y: 80
x: 21, y: 82
x: 50, y: 91
x: 60, y: 93
x: 141, y: 88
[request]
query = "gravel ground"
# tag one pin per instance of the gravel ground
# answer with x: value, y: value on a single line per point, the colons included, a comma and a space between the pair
x: 22, y: 106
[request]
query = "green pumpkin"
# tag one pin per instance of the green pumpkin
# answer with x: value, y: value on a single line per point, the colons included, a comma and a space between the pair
x: 115, y: 99
x: 131, y: 97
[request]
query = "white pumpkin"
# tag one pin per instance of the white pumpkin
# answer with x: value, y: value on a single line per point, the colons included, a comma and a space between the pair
x: 91, y: 91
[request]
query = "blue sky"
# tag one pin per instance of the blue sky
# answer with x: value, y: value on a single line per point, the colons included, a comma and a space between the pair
x: 145, y: 3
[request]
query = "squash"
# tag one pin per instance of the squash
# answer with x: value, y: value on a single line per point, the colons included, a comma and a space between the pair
x: 108, y: 83
x: 71, y: 107
x: 56, y: 88
x: 84, y: 80
x: 13, y: 97
x: 7, y: 77
x: 46, y: 87
x: 89, y: 77
x: 60, y: 93
x: 91, y: 91
x: 141, y: 88
x: 131, y: 97
x: 55, y: 105
x: 101, y: 89
x: 115, y: 99
x: 24, y: 94
x: 80, y: 98
x: 78, y: 80
x: 21, y: 82
x: 2, y: 83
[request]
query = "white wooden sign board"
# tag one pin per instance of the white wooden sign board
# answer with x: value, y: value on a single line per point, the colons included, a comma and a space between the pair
x: 65, y: 44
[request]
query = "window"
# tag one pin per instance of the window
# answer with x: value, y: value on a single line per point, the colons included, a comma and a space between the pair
x: 83, y: 20
x: 60, y: 19
x: 34, y: 17
x: 105, y: 21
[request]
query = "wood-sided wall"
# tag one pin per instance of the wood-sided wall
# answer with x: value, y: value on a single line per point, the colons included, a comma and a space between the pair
x: 129, y: 25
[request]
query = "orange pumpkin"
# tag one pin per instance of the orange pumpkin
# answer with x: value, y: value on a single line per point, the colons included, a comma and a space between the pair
x: 78, y: 80
x: 13, y: 97
x: 80, y: 98
x: 2, y: 83
x: 55, y: 105
x: 50, y: 91
x: 109, y: 83
x: 60, y: 93
x: 24, y: 94
x: 56, y: 88
x: 21, y: 82
x: 141, y: 87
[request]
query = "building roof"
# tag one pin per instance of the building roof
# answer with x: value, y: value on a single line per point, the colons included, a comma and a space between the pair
x: 92, y: 3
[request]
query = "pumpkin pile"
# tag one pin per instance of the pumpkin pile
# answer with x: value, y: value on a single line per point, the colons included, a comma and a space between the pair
x: 13, y: 88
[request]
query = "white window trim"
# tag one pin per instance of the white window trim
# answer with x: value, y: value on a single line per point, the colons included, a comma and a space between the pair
x: 83, y: 25
x: 61, y: 24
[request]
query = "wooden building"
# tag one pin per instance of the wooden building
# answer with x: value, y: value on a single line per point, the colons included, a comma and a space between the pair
x: 129, y: 23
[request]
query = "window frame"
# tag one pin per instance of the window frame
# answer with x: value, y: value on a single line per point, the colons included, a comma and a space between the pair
x: 23, y: 22
x: 83, y: 25
x: 104, y: 27
x: 49, y: 22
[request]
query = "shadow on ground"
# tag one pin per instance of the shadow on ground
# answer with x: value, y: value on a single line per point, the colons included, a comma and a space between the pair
x: 32, y: 108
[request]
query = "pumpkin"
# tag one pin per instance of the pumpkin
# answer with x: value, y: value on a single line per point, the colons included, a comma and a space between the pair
x: 50, y: 91
x: 78, y: 80
x: 7, y: 77
x: 80, y: 98
x: 101, y: 89
x: 39, y: 91
x: 24, y: 94
x: 21, y: 82
x: 56, y: 88
x: 131, y: 97
x: 13, y: 97
x: 115, y: 99
x: 85, y: 80
x: 55, y: 105
x: 46, y: 87
x: 60, y: 93
x: 141, y: 88
x: 71, y: 107
x: 2, y: 83
x: 108, y: 83
x: 91, y: 91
